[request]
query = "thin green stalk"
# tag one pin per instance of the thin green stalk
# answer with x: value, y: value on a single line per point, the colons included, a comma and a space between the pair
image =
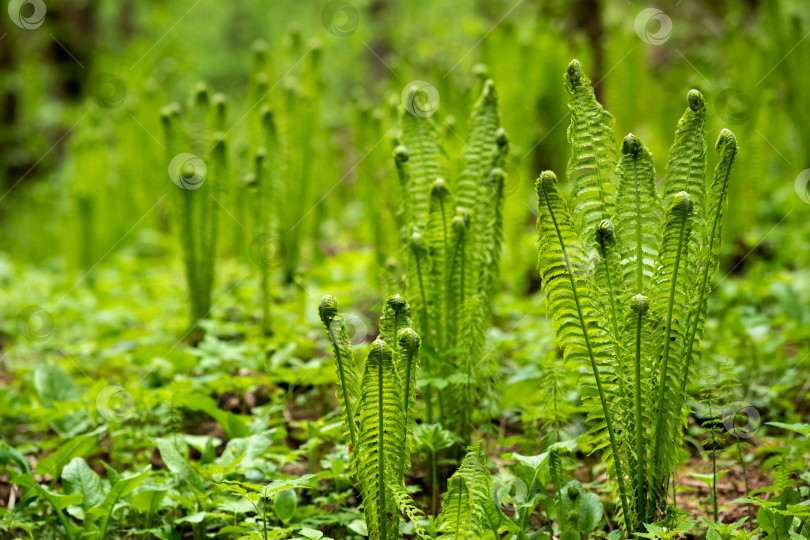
x: 345, y: 393
x: 433, y: 479
x: 425, y: 331
x: 381, y: 450
x: 667, y: 334
x: 641, y: 499
x: 714, y: 484
x: 595, y: 368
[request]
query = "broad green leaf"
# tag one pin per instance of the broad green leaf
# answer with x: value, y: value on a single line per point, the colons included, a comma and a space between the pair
x: 147, y: 501
x: 54, y: 384
x: 79, y: 478
x: 285, y: 505
x: 250, y: 448
x: 58, y: 500
x: 177, y: 464
x: 9, y: 453
x: 233, y: 425
x: 590, y: 512
x: 80, y: 446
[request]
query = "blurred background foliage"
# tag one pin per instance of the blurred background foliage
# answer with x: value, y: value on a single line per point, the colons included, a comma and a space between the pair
x: 80, y: 180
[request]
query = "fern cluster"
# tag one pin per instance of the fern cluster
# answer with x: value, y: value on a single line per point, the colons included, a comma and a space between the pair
x: 201, y: 178
x: 452, y: 232
x: 626, y: 273
x: 377, y: 410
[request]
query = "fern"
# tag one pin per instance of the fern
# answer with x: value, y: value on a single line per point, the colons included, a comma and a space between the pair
x: 572, y: 313
x: 453, y: 234
x: 593, y: 157
x: 199, y: 167
x: 670, y: 305
x: 726, y: 146
x: 640, y: 357
x: 637, y: 208
x: 378, y: 412
x: 348, y: 379
x: 464, y: 503
x: 380, y: 445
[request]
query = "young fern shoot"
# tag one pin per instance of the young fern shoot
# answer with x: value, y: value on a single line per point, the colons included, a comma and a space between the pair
x: 378, y: 412
x: 453, y: 230
x: 658, y: 255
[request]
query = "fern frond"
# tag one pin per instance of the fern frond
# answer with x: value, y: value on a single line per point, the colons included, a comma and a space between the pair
x: 726, y: 146
x: 396, y: 315
x: 686, y: 168
x: 456, y: 286
x: 407, y: 508
x: 437, y: 238
x: 568, y: 301
x: 348, y: 392
x: 408, y: 366
x: 608, y: 275
x: 669, y: 305
x: 481, y: 150
x: 638, y: 215
x: 425, y: 162
x: 463, y: 504
x: 593, y: 153
x: 381, y: 445
x: 638, y: 332
x: 686, y: 171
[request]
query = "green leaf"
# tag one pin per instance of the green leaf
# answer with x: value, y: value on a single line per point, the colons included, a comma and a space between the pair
x: 248, y: 448
x: 80, y: 446
x: 54, y: 385
x: 590, y: 512
x: 8, y: 453
x: 58, y: 500
x: 147, y: 501
x: 285, y: 505
x: 593, y: 151
x: 123, y: 487
x: 79, y: 478
x: 234, y: 426
x: 177, y: 464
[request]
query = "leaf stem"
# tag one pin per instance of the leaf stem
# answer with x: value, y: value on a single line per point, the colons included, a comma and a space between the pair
x: 595, y: 368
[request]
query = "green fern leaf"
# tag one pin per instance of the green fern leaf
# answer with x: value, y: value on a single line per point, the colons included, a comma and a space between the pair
x: 669, y: 305
x: 425, y: 162
x: 380, y: 443
x: 726, y: 146
x: 638, y: 217
x: 593, y: 152
x: 463, y: 505
x: 348, y: 392
x: 481, y: 150
x: 568, y: 301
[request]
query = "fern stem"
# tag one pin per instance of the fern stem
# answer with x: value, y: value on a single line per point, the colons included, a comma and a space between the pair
x: 606, y: 227
x: 668, y: 332
x: 605, y: 410
x: 347, y: 405
x: 745, y: 477
x: 381, y: 448
x: 692, y: 330
x: 425, y: 332
x: 433, y: 477
x: 641, y: 499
